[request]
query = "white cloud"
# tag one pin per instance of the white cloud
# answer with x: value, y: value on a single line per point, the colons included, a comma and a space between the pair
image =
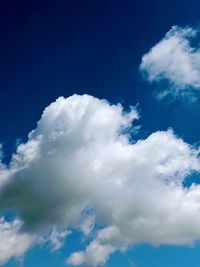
x: 13, y: 242
x: 57, y: 239
x: 95, y: 254
x: 76, y: 258
x: 175, y: 60
x: 80, y: 156
x: 99, y: 250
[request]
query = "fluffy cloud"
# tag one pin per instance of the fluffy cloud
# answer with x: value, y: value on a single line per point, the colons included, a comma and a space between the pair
x: 98, y: 251
x: 13, y: 243
x: 95, y: 254
x: 78, y: 168
x: 106, y: 242
x: 175, y: 60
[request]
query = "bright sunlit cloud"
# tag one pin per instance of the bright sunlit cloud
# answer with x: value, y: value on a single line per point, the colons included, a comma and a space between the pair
x: 78, y: 168
x: 175, y: 59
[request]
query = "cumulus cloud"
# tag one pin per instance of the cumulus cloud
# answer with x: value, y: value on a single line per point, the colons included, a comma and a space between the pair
x: 174, y: 59
x: 95, y: 254
x: 13, y: 243
x: 79, y: 169
x: 98, y: 251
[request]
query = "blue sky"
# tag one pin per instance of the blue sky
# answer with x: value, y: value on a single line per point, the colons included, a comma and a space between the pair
x: 50, y: 49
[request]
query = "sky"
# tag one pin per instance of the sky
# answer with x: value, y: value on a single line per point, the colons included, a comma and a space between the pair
x: 99, y: 156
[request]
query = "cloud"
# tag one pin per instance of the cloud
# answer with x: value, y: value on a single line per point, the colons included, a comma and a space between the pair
x: 98, y: 251
x: 174, y: 59
x: 57, y: 238
x: 13, y: 243
x: 95, y: 254
x: 79, y: 170
x: 87, y: 223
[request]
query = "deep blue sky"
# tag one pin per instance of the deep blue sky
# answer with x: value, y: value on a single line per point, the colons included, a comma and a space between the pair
x: 53, y: 48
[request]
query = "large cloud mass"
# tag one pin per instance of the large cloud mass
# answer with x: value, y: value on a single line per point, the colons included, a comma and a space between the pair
x: 79, y: 168
x: 176, y: 60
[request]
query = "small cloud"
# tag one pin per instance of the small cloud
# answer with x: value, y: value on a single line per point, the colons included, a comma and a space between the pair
x: 94, y: 255
x: 174, y: 63
x: 57, y: 238
x: 14, y: 243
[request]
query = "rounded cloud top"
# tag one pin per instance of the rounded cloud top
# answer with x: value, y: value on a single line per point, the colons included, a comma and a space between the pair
x: 79, y: 168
